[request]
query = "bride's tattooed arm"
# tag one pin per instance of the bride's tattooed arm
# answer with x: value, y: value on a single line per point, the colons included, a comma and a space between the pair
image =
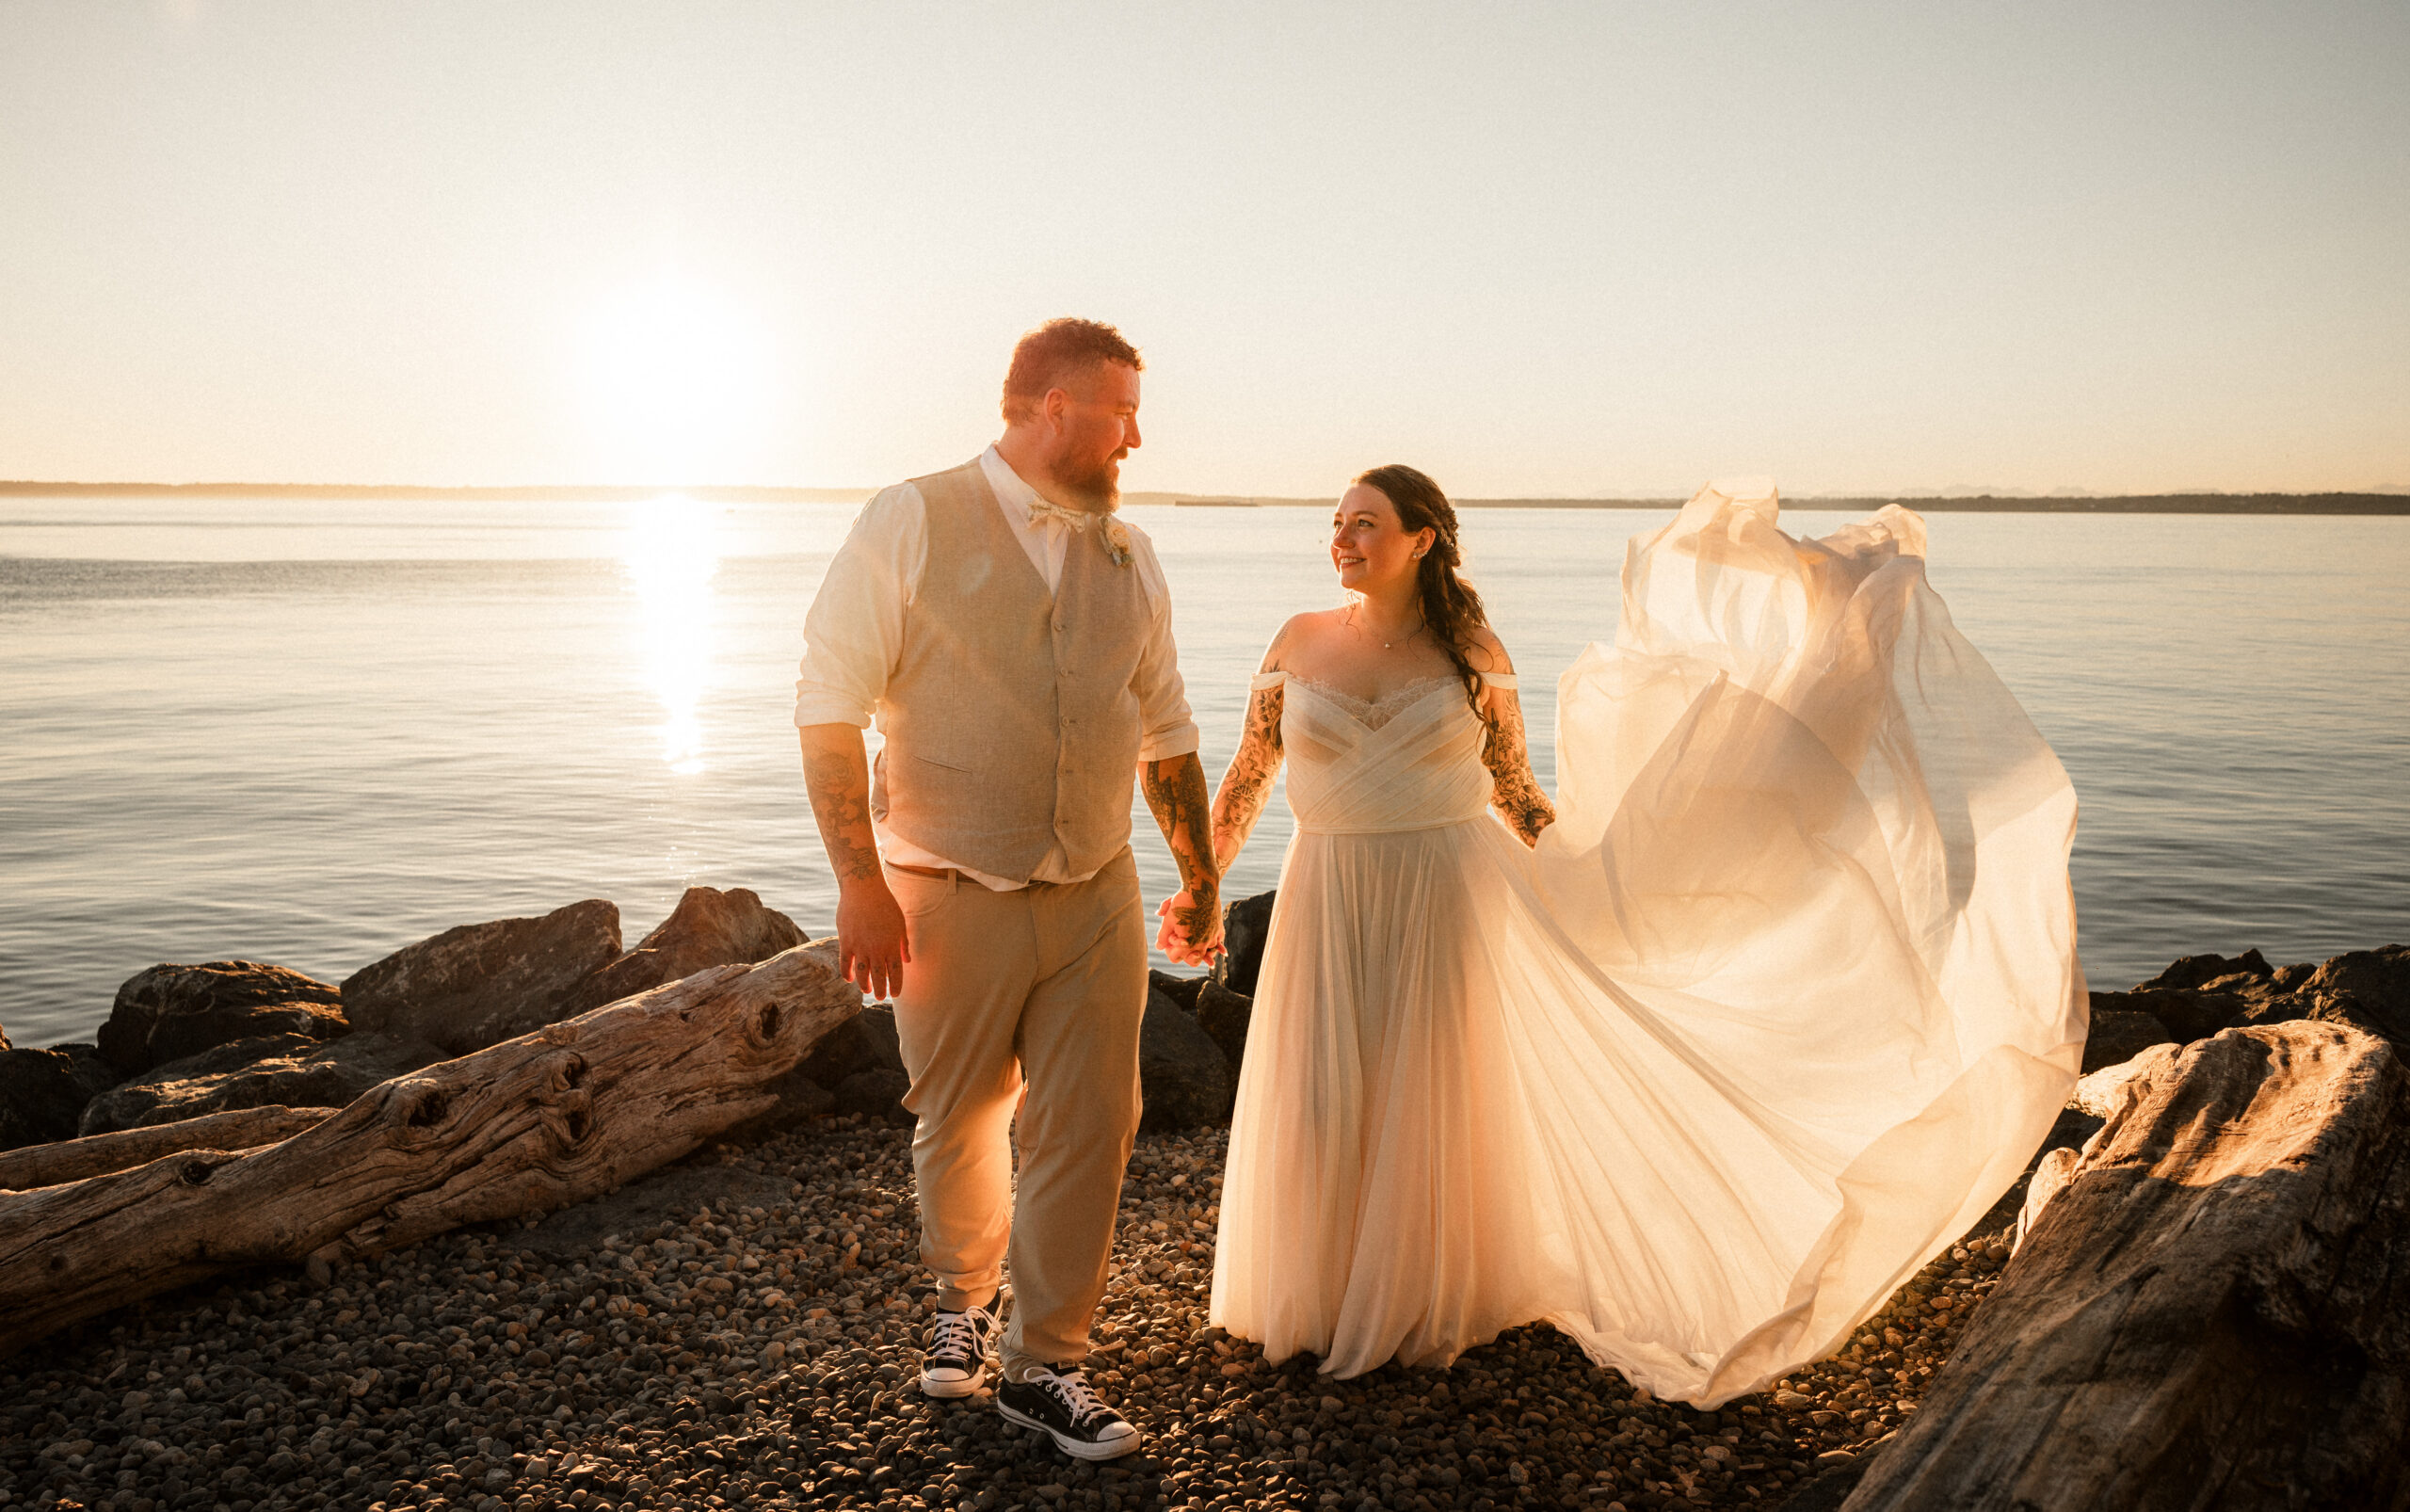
x: 1175, y: 789
x: 1514, y: 792
x: 1247, y: 785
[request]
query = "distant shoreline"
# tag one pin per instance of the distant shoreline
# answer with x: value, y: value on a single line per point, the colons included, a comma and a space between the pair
x: 2269, y: 503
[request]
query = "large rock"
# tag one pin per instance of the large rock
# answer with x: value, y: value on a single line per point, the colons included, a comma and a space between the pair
x: 2366, y: 987
x: 290, y: 1069
x: 169, y: 1012
x: 2211, y: 1312
x: 1245, y: 926
x: 709, y: 927
x: 2191, y: 972
x: 1182, y: 1072
x: 480, y: 984
x: 43, y: 1092
x: 1224, y: 1015
x: 1180, y: 990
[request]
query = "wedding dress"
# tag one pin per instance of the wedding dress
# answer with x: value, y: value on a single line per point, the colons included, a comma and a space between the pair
x: 1780, y: 1005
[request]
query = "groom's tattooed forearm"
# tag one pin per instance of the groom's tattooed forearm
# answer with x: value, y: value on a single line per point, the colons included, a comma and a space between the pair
x: 1514, y: 792
x: 839, y: 783
x: 1247, y: 785
x: 1175, y: 790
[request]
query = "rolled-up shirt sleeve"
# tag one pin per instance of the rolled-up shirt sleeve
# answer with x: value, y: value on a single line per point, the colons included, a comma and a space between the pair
x: 1166, y: 727
x: 854, y: 631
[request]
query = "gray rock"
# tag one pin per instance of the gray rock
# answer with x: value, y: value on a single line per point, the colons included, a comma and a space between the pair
x: 2187, y: 1013
x: 1182, y: 1072
x: 2119, y: 1035
x: 43, y: 1092
x: 288, y: 1069
x: 169, y: 1012
x: 709, y: 927
x: 1245, y: 926
x: 480, y: 984
x: 1225, y: 1015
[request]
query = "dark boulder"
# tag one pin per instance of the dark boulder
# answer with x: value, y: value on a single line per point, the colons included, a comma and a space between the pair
x: 2366, y: 987
x: 1180, y: 990
x: 286, y: 1069
x: 43, y: 1092
x: 1245, y: 926
x: 480, y: 984
x: 709, y: 927
x: 799, y: 1098
x: 2200, y: 971
x: 1225, y: 1015
x: 2119, y: 1033
x: 1182, y: 1072
x: 170, y: 1011
x: 2187, y: 1014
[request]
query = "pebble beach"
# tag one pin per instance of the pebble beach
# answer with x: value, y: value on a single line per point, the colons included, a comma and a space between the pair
x: 744, y: 1331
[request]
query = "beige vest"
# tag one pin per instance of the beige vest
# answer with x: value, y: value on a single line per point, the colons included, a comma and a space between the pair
x: 1010, y: 720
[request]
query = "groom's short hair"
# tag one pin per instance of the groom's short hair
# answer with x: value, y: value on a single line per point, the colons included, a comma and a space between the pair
x: 1053, y: 354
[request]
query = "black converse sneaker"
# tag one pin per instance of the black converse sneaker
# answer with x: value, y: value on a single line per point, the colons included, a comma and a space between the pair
x: 1059, y: 1404
x: 957, y: 1361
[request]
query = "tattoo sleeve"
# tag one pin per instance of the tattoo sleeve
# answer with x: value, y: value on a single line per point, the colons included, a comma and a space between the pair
x: 1246, y: 787
x: 836, y: 772
x: 1175, y: 789
x: 1513, y: 792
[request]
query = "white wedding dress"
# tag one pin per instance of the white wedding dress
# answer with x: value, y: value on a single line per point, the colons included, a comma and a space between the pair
x: 1781, y: 1004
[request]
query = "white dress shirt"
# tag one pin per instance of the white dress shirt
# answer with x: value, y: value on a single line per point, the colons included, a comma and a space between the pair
x: 854, y: 634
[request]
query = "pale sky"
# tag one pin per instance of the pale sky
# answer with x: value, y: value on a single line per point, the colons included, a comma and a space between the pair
x: 1532, y: 249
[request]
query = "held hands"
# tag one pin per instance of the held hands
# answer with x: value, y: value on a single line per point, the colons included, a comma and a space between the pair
x: 1192, y: 928
x: 872, y: 946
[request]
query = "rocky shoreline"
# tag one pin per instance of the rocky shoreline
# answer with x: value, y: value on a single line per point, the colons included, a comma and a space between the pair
x: 743, y: 1328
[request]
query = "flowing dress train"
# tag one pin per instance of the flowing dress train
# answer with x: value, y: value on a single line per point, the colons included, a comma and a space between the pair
x: 1779, y: 1006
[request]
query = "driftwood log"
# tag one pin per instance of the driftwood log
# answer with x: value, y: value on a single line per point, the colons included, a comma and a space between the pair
x: 72, y: 1159
x: 2213, y: 1310
x: 570, y: 1110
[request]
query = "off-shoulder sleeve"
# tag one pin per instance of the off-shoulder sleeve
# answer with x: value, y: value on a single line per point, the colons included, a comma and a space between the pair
x: 1272, y: 679
x: 1499, y: 680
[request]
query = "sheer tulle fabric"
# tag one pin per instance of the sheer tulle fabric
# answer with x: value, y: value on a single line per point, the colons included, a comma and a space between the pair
x: 1781, y: 1004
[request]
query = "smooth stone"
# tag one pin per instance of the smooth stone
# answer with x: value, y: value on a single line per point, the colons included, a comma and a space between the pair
x: 480, y: 984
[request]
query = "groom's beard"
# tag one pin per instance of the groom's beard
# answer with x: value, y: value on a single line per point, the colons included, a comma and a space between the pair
x: 1097, y: 490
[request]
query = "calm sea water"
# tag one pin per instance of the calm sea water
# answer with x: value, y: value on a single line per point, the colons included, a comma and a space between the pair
x: 311, y: 732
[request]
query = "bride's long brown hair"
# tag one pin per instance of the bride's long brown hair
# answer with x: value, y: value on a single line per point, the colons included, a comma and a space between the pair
x: 1449, y: 604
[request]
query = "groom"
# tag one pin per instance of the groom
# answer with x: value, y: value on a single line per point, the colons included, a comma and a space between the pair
x: 1012, y: 640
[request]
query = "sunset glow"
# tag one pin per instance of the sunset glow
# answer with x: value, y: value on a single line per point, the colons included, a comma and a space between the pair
x: 675, y: 376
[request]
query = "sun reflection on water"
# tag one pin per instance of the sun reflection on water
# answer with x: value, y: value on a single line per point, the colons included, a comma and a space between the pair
x: 671, y: 554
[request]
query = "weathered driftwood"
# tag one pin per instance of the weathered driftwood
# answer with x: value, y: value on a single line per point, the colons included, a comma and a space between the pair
x: 2212, y: 1312
x: 72, y: 1159
x: 569, y: 1110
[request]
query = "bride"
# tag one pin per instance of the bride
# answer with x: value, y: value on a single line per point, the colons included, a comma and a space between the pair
x: 1697, y: 1064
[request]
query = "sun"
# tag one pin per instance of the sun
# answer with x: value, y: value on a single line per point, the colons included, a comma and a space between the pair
x: 676, y: 379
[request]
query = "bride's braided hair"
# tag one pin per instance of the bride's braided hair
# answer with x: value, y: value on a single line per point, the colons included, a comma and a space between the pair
x: 1449, y: 604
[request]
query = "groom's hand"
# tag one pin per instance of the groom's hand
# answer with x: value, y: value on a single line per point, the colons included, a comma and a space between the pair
x: 872, y: 942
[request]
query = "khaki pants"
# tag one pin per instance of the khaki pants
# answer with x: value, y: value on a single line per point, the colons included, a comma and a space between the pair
x: 1044, y: 987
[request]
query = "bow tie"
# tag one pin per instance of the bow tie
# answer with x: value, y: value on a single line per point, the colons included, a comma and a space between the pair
x: 1076, y: 518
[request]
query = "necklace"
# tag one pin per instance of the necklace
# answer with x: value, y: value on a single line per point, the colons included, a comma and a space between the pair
x: 1419, y: 626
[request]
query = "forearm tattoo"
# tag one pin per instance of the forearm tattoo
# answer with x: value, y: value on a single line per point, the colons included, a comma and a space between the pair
x: 839, y: 783
x: 1513, y: 792
x: 1246, y: 787
x: 1175, y: 789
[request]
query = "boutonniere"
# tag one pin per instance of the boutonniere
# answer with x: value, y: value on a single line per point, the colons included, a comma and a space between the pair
x: 1116, y: 541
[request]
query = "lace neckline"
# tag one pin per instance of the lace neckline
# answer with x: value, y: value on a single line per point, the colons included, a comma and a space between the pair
x: 1373, y: 713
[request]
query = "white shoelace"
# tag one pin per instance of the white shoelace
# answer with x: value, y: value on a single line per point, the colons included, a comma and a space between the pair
x: 1075, y: 1395
x: 959, y: 1332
